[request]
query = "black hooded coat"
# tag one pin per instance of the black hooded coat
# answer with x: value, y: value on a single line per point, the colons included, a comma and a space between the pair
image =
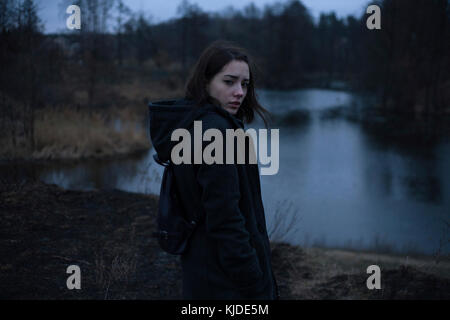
x: 228, y: 256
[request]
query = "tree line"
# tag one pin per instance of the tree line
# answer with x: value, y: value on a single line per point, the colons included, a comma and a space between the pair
x: 405, y: 64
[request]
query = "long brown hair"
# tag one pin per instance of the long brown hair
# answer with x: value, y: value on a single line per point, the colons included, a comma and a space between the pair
x: 212, y: 60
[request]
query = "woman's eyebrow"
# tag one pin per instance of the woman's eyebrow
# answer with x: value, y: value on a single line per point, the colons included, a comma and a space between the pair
x: 234, y: 77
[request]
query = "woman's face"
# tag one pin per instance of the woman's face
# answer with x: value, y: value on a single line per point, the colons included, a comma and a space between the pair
x: 229, y: 86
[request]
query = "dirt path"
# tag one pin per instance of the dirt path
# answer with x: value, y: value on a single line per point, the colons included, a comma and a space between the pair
x: 44, y: 229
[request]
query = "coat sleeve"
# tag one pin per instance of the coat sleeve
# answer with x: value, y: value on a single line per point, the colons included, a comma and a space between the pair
x: 225, y: 222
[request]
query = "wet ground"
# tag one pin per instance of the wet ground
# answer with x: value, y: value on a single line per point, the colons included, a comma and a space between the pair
x: 44, y: 229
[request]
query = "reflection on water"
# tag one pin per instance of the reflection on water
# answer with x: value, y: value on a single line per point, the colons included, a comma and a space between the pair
x: 136, y: 174
x: 337, y: 185
x: 352, y: 190
x: 312, y: 99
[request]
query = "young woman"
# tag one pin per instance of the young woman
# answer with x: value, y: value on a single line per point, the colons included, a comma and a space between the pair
x: 228, y: 255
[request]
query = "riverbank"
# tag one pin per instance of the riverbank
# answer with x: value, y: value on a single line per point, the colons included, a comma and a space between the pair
x: 71, y: 134
x: 120, y: 126
x: 106, y: 233
x: 114, y: 126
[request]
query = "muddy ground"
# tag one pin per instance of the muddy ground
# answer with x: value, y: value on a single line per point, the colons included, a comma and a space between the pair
x: 44, y: 229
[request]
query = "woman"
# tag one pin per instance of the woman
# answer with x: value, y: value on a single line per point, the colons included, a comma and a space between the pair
x: 228, y: 256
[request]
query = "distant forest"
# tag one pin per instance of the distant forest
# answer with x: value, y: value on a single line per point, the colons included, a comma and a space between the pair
x: 406, y: 64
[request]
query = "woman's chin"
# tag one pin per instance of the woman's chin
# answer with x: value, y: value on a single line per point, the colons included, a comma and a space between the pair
x: 232, y: 110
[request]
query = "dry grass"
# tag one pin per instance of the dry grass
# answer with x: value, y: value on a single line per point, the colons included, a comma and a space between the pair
x: 10, y: 151
x: 139, y: 91
x: 71, y: 134
x: 309, y: 273
x: 285, y: 221
x: 115, y: 266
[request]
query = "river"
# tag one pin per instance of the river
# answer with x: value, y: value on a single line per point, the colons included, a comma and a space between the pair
x: 337, y: 185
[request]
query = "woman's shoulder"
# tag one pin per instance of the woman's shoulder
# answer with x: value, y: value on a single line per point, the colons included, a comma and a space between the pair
x: 215, y: 118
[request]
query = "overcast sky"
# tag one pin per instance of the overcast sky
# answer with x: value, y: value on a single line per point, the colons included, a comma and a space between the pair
x: 161, y: 10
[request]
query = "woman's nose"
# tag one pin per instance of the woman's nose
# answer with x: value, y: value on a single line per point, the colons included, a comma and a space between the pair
x: 239, y: 91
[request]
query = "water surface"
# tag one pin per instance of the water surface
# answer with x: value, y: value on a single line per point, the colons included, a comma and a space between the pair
x: 337, y: 185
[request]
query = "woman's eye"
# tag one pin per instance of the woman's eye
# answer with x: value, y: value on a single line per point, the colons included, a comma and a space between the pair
x: 245, y: 84
x: 229, y: 82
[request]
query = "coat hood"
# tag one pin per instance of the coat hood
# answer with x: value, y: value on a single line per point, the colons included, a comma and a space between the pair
x: 167, y: 115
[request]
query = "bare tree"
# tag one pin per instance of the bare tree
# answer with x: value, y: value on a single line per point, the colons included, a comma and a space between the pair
x: 94, y: 50
x: 122, y: 13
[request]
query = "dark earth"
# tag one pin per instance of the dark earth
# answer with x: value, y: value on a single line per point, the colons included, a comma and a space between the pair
x: 44, y: 229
